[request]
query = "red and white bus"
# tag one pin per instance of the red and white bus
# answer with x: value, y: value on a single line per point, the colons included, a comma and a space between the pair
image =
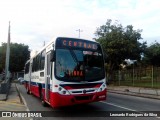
x: 67, y: 71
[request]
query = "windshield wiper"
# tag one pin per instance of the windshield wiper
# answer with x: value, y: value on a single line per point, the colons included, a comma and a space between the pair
x: 74, y: 56
x: 78, y: 62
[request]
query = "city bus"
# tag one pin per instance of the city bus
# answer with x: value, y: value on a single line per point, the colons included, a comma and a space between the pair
x: 66, y: 72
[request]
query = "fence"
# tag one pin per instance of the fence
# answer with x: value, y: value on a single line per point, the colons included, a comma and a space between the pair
x: 16, y: 75
x: 5, y: 86
x: 140, y: 77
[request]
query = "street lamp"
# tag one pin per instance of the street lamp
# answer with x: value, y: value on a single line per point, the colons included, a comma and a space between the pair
x: 79, y: 30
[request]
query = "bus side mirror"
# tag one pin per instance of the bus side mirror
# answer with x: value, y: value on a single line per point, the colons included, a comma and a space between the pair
x: 52, y: 56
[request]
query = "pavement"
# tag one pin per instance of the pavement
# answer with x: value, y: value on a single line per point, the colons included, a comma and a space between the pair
x: 12, y: 98
x: 135, y: 91
x: 12, y: 102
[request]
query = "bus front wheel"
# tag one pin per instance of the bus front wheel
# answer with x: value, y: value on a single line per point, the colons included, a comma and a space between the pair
x: 28, y: 92
x: 42, y: 99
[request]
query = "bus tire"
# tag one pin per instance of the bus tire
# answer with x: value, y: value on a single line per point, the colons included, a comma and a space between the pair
x: 28, y: 92
x: 44, y: 104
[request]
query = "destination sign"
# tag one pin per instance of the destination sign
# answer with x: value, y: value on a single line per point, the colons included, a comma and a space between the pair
x: 77, y: 43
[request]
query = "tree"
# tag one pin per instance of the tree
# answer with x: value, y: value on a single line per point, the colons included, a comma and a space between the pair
x: 119, y: 43
x: 152, y: 55
x: 19, y: 54
x: 2, y: 57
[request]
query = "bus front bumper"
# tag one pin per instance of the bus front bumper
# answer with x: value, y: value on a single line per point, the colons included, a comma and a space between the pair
x: 58, y: 100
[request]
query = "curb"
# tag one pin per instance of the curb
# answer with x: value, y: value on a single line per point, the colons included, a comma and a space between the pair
x: 134, y: 94
x: 20, y: 97
x: 22, y: 100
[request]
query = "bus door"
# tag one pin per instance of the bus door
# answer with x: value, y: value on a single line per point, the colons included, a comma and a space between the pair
x: 47, y: 81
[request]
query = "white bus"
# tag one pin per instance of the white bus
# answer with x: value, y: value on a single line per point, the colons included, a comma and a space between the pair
x: 67, y: 71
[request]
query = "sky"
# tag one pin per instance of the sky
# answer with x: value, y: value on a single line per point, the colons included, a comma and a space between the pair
x: 36, y: 21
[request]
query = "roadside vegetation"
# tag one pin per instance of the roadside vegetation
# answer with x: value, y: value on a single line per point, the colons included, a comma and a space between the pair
x: 19, y: 54
x: 129, y: 60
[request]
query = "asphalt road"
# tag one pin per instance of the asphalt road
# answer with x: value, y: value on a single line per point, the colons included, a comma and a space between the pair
x: 114, y: 103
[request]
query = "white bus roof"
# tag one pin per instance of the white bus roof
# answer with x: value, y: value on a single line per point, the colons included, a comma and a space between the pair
x: 51, y: 43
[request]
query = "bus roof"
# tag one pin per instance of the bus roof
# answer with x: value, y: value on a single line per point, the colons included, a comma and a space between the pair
x: 52, y: 42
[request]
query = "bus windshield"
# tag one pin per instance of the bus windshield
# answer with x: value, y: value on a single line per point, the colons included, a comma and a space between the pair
x: 79, y: 65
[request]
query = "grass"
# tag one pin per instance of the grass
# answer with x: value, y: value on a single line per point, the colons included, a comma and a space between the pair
x: 142, y: 77
x: 147, y: 84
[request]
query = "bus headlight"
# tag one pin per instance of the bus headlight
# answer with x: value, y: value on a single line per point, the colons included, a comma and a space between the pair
x: 63, y: 91
x: 102, y: 87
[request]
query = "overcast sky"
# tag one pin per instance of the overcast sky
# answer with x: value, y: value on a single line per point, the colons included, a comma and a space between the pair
x: 36, y: 21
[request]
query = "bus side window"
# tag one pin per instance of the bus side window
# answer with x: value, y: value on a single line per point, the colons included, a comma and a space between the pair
x: 41, y: 74
x: 33, y: 65
x: 27, y: 68
x: 52, y: 56
x: 42, y: 60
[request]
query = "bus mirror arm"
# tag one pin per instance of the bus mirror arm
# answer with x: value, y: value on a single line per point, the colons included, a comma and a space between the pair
x: 52, y: 56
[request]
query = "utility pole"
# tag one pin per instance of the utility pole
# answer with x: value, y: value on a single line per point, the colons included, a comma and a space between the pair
x: 7, y: 74
x: 44, y: 43
x: 79, y: 30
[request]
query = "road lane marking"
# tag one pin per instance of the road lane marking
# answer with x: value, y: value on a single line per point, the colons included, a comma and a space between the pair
x: 118, y: 106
